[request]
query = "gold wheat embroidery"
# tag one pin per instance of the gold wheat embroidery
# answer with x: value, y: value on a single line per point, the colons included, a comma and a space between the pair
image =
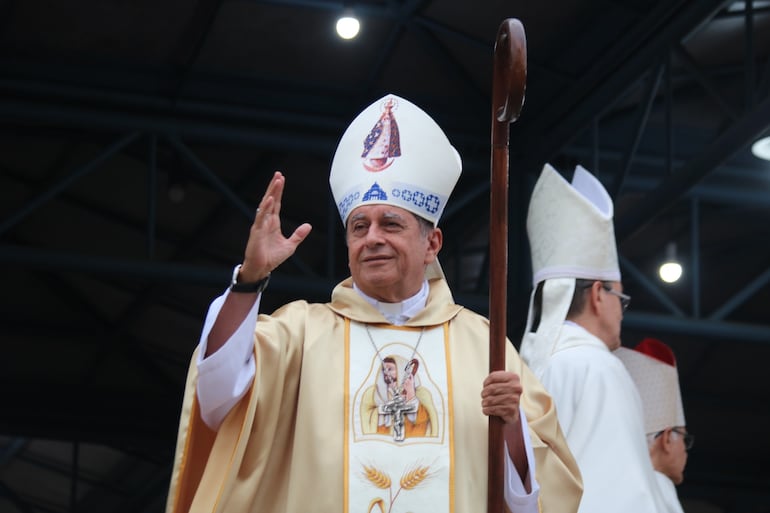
x: 377, y: 477
x: 414, y: 477
x: 410, y: 480
x: 376, y: 503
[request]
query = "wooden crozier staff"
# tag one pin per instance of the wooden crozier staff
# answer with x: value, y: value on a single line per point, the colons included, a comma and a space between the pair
x: 508, y: 85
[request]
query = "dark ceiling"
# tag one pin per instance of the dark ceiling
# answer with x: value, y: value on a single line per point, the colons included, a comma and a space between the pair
x: 136, y: 138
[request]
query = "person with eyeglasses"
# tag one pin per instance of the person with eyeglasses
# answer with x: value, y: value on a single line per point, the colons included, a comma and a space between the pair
x: 290, y: 411
x: 652, y: 366
x: 574, y: 324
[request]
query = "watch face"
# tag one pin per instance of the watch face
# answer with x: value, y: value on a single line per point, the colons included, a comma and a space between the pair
x: 257, y: 286
x: 236, y: 271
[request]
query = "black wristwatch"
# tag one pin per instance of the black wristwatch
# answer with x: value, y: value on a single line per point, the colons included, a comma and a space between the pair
x: 254, y: 287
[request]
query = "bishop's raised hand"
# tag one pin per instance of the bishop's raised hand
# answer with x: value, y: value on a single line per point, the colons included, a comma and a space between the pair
x: 267, y: 247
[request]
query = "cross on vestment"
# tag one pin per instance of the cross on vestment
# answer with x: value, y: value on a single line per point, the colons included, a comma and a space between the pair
x: 398, y: 407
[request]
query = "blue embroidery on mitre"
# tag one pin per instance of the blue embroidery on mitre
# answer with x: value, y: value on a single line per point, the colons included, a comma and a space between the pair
x: 413, y: 198
x: 347, y: 203
x: 375, y: 193
x: 408, y: 196
x: 383, y: 143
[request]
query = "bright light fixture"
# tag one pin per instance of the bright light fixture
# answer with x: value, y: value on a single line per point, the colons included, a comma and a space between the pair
x: 348, y: 27
x: 670, y: 270
x: 761, y: 148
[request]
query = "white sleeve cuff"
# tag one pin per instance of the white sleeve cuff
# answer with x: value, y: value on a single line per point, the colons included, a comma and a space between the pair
x: 225, y: 376
x: 515, y: 493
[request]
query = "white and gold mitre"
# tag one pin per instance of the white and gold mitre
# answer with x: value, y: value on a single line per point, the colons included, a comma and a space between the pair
x: 652, y: 366
x: 394, y: 153
x: 570, y: 236
x: 570, y: 228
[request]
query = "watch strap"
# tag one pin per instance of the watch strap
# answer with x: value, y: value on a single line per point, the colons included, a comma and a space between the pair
x: 247, y: 287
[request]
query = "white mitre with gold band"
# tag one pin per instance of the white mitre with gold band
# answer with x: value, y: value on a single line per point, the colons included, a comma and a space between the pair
x: 571, y: 236
x: 652, y: 366
x: 394, y: 153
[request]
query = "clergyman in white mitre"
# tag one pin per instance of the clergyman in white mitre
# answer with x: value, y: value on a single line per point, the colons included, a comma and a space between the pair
x: 653, y: 367
x: 574, y: 322
x: 272, y: 411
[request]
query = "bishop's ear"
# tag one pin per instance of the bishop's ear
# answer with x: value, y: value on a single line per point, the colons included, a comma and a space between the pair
x: 596, y: 296
x: 668, y: 439
x: 435, y: 241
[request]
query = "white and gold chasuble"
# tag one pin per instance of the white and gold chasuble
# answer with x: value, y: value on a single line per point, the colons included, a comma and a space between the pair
x: 381, y: 473
x: 296, y: 442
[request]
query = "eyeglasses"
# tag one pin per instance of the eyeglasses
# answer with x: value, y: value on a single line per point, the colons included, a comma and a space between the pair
x: 625, y: 299
x: 689, y: 440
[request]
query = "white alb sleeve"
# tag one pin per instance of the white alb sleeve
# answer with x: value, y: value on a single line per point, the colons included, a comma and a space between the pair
x: 225, y: 376
x: 515, y: 494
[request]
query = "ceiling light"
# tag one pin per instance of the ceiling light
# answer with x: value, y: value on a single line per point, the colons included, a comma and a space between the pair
x: 670, y: 270
x: 761, y: 148
x: 347, y: 27
x: 741, y: 6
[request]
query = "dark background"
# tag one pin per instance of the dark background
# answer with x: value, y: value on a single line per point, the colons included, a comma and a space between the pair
x: 136, y: 138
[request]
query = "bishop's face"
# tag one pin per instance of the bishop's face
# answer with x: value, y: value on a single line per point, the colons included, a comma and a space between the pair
x: 677, y: 457
x: 388, y: 251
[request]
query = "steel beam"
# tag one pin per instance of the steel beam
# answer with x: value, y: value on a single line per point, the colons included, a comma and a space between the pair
x: 643, y: 114
x: 21, y: 257
x: 673, y: 188
x: 53, y: 191
x: 650, y: 287
x: 708, y: 85
x: 701, y: 328
x: 741, y: 296
x: 209, y: 176
x: 179, y: 124
x: 695, y: 256
x: 613, y: 74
